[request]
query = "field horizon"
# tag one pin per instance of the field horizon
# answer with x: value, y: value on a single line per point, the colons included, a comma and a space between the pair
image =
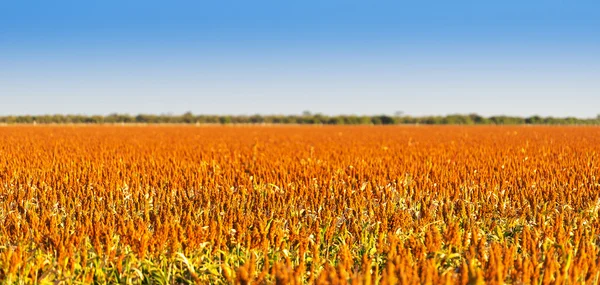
x: 306, y: 118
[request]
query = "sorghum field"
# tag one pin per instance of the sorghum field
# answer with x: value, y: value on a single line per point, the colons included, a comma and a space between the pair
x: 299, y: 204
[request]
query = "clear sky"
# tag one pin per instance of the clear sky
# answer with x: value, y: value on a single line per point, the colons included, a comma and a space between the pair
x: 284, y: 57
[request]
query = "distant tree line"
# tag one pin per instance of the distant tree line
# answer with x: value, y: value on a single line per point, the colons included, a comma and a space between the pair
x: 305, y: 118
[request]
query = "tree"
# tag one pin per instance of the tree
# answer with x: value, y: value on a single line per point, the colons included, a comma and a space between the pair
x: 187, y: 117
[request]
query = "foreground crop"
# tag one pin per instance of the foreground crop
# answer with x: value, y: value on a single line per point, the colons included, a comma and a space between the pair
x: 299, y: 204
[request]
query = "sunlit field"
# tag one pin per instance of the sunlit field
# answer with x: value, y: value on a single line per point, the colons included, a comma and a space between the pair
x: 299, y: 204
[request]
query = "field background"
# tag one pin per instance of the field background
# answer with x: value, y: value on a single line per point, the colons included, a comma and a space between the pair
x: 329, y: 204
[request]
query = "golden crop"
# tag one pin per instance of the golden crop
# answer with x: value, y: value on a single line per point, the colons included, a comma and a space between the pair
x: 247, y: 204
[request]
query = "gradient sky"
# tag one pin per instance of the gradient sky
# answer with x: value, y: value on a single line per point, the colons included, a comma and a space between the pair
x: 284, y: 57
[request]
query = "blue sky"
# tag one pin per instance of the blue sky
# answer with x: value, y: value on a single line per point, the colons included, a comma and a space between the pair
x: 284, y: 57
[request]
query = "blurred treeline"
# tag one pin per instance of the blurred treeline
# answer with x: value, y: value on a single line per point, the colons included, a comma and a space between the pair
x: 306, y: 118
